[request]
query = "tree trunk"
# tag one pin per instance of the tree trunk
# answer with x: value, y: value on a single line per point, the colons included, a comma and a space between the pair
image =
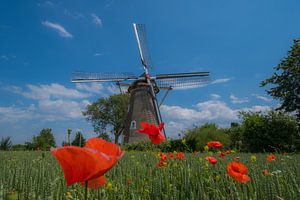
x: 117, y: 135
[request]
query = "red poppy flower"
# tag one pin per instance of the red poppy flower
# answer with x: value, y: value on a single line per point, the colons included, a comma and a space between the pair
x: 163, y: 156
x: 237, y: 158
x: 179, y: 155
x: 89, y: 163
x: 266, y: 172
x: 171, y: 155
x: 271, y: 157
x: 215, y: 144
x: 228, y: 152
x: 238, y: 171
x: 154, y: 132
x: 222, y: 154
x: 211, y: 159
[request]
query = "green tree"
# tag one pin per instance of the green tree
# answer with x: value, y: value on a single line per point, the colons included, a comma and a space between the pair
x: 198, y: 136
x: 286, y: 81
x: 108, y: 115
x: 79, y: 140
x: 44, y: 141
x: 5, y: 144
x: 272, y: 131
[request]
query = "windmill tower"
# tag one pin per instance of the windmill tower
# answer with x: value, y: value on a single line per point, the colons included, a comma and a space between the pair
x: 143, y: 89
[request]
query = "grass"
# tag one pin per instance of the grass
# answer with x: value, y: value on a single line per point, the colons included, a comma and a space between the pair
x: 37, y: 175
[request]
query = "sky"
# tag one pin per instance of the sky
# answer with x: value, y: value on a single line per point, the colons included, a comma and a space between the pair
x: 43, y: 42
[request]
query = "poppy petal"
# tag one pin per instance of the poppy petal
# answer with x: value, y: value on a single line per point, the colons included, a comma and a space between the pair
x: 104, y: 147
x: 96, y: 183
x: 81, y: 164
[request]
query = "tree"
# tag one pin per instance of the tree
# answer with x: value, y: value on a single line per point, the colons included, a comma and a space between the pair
x: 44, y: 141
x: 108, y: 114
x: 5, y: 144
x: 272, y: 131
x: 197, y: 137
x: 287, y: 81
x: 79, y: 140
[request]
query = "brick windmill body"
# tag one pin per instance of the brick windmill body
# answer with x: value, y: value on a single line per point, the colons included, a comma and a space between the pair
x: 143, y: 89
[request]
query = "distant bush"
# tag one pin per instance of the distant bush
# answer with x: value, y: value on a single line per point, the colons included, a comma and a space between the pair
x: 272, y: 131
x: 168, y: 146
x: 197, y: 137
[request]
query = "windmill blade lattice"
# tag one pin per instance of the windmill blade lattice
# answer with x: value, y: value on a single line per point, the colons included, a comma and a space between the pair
x: 141, y: 37
x: 182, y: 80
x: 80, y: 77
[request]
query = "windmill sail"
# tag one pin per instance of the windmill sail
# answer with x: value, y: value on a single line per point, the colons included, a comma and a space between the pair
x: 141, y: 37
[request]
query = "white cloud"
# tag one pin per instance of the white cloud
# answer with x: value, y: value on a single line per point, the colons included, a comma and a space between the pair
x: 59, y: 28
x: 237, y: 100
x: 96, y: 88
x: 221, y: 80
x: 53, y: 110
x: 215, y: 96
x: 98, y: 54
x: 53, y: 90
x: 14, y: 114
x: 260, y: 97
x: 178, y: 118
x: 96, y: 19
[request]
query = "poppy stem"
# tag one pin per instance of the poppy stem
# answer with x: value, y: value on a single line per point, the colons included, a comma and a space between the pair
x: 86, y: 191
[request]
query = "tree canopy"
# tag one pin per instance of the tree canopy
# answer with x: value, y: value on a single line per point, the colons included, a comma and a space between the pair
x: 286, y: 81
x: 44, y: 141
x: 5, y: 144
x: 79, y: 140
x: 108, y: 115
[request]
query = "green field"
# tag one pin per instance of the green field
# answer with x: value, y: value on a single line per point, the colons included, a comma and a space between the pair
x: 37, y: 175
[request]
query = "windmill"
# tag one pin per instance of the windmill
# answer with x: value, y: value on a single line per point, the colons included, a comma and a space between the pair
x: 143, y: 89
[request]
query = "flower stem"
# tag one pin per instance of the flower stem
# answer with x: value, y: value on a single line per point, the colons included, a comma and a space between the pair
x: 86, y: 191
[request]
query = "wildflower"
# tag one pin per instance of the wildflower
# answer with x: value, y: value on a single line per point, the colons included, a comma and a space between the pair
x: 227, y: 152
x: 183, y: 141
x: 129, y: 182
x: 222, y: 154
x: 215, y: 144
x: 211, y: 159
x: 253, y: 158
x: 154, y: 132
x: 232, y: 151
x: 161, y: 163
x: 206, y: 148
x: 238, y: 171
x: 170, y: 155
x: 266, y: 172
x: 163, y: 156
x: 180, y: 155
x: 109, y: 186
x: 68, y: 194
x: 237, y: 158
x: 88, y: 164
x: 271, y: 157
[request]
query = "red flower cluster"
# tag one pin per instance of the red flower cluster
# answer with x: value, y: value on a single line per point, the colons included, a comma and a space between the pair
x: 179, y: 155
x: 163, y: 160
x: 271, y: 157
x: 154, y: 132
x: 215, y: 144
x: 222, y: 154
x: 238, y: 171
x: 88, y: 164
x: 211, y: 159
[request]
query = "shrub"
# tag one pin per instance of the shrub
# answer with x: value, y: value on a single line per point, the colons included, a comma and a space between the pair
x: 198, y: 137
x: 272, y: 131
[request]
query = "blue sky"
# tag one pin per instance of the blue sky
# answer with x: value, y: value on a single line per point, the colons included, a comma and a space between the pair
x: 43, y: 42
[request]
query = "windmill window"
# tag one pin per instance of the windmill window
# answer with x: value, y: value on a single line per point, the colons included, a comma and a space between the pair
x: 133, y: 125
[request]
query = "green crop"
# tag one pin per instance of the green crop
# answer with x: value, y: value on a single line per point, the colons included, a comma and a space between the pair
x: 37, y: 175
